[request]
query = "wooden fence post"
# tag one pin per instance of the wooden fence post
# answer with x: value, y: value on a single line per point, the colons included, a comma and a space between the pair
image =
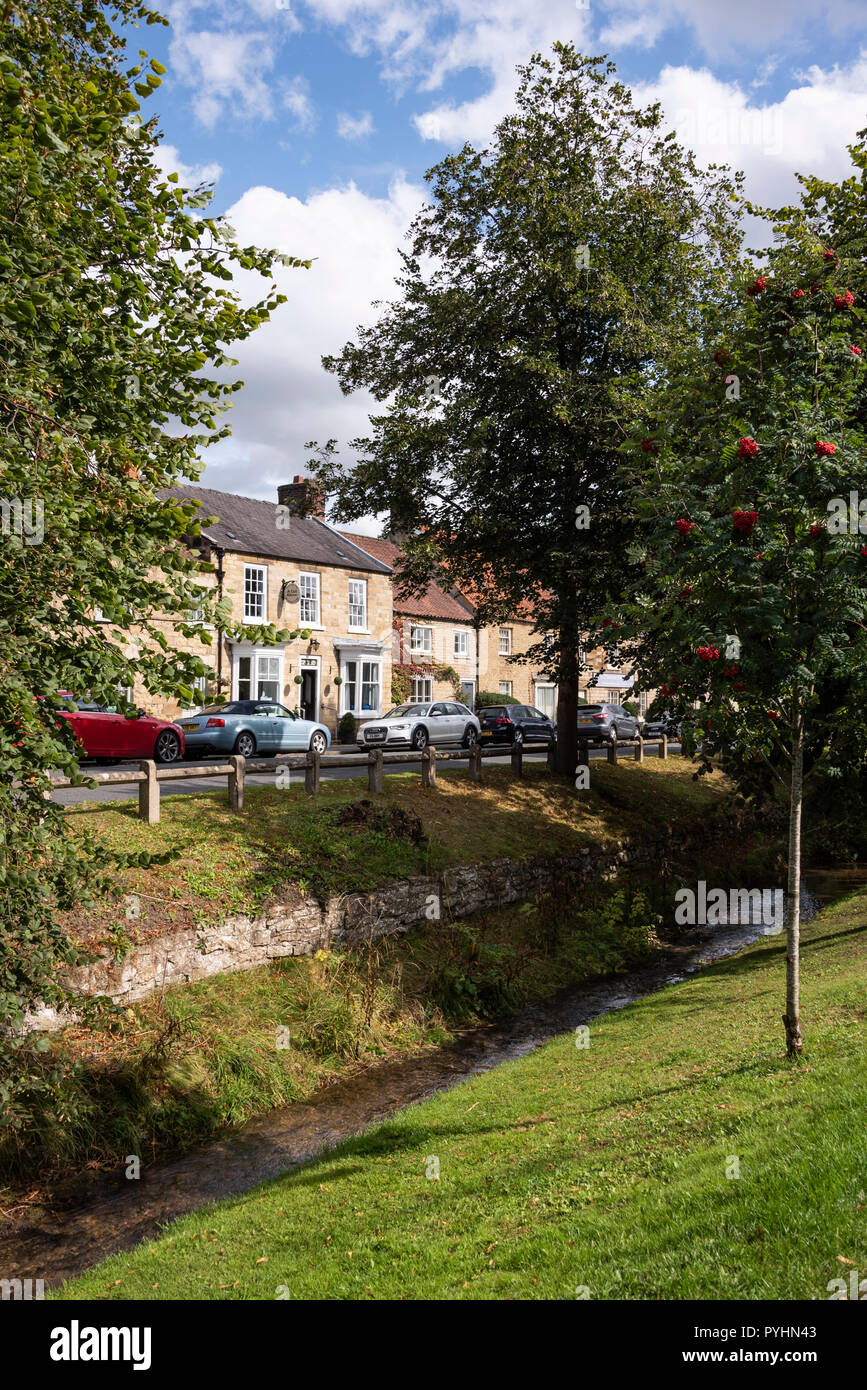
x: 149, y: 793
x: 236, y: 782
x: 612, y: 752
x: 311, y: 772
x: 639, y: 749
x: 475, y: 763
x: 663, y: 746
x: 374, y: 770
x: 518, y: 759
x: 429, y: 767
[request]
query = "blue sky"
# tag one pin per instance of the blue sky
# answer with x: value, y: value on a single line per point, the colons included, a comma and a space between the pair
x: 317, y: 119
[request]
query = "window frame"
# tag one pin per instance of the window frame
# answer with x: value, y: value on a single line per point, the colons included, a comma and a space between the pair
x: 362, y: 626
x: 505, y: 634
x: 262, y: 618
x: 461, y: 644
x: 359, y: 660
x: 422, y: 699
x: 413, y: 645
x: 305, y: 598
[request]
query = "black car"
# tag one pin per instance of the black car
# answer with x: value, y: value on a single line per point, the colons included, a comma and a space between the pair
x: 664, y: 723
x: 516, y: 724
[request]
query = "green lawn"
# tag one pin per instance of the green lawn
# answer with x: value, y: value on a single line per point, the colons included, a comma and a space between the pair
x: 603, y: 1168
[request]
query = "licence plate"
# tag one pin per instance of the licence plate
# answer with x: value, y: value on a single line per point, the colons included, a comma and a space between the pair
x: 486, y: 733
x: 376, y: 738
x: 194, y: 728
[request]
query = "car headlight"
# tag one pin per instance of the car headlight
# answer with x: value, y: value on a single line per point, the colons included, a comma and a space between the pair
x: 398, y: 728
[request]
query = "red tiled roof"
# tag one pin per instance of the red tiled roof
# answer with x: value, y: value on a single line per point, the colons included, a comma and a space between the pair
x: 433, y: 603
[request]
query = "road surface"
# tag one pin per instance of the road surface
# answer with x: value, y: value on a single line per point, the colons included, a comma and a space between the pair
x: 71, y: 796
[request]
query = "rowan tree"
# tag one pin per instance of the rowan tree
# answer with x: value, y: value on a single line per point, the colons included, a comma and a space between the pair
x: 751, y: 619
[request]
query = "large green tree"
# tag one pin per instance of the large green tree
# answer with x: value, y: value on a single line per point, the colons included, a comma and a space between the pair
x: 752, y: 615
x: 550, y: 279
x: 116, y: 312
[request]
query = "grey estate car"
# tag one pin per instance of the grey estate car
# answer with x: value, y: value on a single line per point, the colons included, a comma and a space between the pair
x: 605, y: 724
x: 416, y: 725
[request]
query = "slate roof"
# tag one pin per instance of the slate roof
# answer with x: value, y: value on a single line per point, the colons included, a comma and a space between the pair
x: 246, y: 526
x: 434, y: 603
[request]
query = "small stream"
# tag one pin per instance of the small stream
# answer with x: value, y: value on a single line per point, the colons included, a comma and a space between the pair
x: 110, y: 1213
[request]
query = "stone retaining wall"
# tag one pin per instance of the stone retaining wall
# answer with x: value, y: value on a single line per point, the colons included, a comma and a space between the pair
x: 243, y: 943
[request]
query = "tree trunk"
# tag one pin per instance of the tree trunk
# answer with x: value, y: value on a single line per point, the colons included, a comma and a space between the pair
x: 792, y: 1016
x: 567, y: 724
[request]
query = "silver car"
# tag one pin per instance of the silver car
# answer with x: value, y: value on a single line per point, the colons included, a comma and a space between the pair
x: 605, y: 724
x: 417, y: 725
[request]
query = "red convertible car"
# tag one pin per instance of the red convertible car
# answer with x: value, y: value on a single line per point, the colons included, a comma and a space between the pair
x: 110, y: 737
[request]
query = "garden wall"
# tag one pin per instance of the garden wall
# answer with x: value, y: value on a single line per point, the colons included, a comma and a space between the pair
x: 243, y: 943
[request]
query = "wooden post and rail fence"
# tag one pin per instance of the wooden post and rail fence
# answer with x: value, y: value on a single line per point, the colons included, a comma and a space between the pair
x: 149, y: 776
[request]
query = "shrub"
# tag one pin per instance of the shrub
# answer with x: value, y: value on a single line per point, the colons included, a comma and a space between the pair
x: 486, y: 698
x: 347, y: 728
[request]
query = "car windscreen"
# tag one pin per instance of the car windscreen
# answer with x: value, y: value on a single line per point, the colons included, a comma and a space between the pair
x: 497, y: 711
x: 590, y: 709
x: 407, y: 711
x: 235, y: 707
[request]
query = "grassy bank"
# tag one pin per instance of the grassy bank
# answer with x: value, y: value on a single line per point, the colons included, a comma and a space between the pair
x: 181, y: 1066
x: 610, y: 1168
x: 287, y: 844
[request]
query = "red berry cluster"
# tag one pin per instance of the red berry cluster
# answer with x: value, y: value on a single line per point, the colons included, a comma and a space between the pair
x: 745, y: 521
x: 747, y: 448
x: 708, y: 653
x: 684, y: 527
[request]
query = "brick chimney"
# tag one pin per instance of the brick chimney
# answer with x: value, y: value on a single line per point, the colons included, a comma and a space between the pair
x: 303, y: 497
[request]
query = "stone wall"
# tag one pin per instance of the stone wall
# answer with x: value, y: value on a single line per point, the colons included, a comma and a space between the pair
x: 244, y: 943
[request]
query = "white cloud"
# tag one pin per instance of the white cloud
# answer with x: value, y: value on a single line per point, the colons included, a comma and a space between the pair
x: 296, y: 98
x: 737, y: 25
x: 225, y: 70
x: 168, y: 161
x: 807, y: 131
x: 289, y: 399
x: 354, y: 127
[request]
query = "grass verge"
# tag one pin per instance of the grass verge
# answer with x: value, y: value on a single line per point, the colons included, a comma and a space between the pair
x: 287, y: 844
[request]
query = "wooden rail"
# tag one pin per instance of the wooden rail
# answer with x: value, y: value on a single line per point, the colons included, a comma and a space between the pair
x: 148, y: 776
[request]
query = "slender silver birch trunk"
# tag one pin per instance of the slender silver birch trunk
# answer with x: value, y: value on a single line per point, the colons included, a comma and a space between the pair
x: 792, y: 1016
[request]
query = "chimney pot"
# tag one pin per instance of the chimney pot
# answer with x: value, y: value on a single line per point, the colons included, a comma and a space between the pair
x: 303, y: 497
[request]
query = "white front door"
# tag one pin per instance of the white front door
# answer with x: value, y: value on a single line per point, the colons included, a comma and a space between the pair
x: 308, y: 691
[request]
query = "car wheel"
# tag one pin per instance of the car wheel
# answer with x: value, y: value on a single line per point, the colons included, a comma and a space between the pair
x: 517, y: 738
x: 167, y: 748
x: 471, y: 736
x: 419, y: 739
x: 318, y: 742
x: 245, y: 745
x: 612, y: 737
